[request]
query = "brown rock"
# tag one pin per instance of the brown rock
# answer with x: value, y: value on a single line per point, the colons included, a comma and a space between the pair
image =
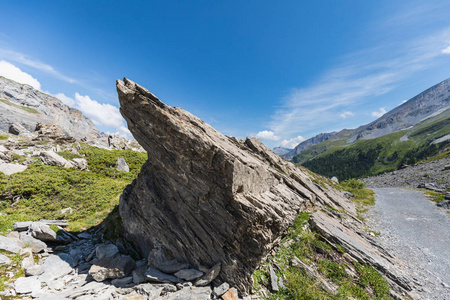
x: 231, y: 294
x: 209, y: 198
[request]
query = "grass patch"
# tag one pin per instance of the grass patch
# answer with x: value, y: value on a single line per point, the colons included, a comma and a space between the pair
x: 327, y: 260
x: 45, y: 190
x: 14, y: 269
x: 3, y: 137
x: 69, y: 155
x: 358, y: 190
x: 434, y: 196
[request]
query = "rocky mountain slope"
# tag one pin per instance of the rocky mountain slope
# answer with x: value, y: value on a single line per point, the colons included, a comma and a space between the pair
x: 308, y: 143
x: 222, y: 205
x: 20, y: 103
x: 281, y: 150
x: 425, y: 105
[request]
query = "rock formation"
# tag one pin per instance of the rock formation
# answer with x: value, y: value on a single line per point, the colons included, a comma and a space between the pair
x: 204, y: 198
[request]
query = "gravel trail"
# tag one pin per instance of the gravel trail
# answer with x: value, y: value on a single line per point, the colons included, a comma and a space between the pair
x: 414, y: 230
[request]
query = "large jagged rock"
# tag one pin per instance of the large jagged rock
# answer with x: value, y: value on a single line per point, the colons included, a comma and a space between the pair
x: 204, y: 198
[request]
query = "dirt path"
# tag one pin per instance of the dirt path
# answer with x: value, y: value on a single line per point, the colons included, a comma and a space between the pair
x: 414, y: 230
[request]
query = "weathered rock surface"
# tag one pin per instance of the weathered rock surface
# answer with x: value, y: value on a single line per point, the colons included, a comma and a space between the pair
x: 122, y: 165
x: 112, y: 268
x: 18, y: 129
x: 209, y: 198
x: 9, y: 169
x: 51, y: 132
x: 27, y: 106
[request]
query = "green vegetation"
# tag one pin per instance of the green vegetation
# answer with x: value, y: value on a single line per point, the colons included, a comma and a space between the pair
x: 43, y: 191
x: 3, y: 137
x: 14, y: 269
x: 25, y: 108
x: 379, y: 155
x: 330, y: 264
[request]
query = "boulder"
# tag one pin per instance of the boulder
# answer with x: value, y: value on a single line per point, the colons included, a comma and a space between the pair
x: 35, y: 244
x: 53, y: 159
x: 9, y: 169
x: 112, y: 268
x: 42, y: 232
x: 52, y: 132
x: 4, y: 260
x: 444, y: 204
x: 55, y: 266
x: 24, y: 285
x: 9, y: 244
x: 122, y: 165
x: 80, y: 163
x: 18, y: 129
x: 189, y: 274
x: 209, y: 198
x: 106, y: 251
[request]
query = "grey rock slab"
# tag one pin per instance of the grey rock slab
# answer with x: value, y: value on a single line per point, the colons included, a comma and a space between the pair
x: 42, y: 232
x: 9, y: 169
x: 154, y: 275
x: 221, y: 289
x: 84, y: 235
x: 22, y: 226
x: 34, y: 270
x: 105, y: 251
x: 52, y: 159
x: 212, y: 274
x: 122, y: 165
x: 190, y: 293
x: 35, y: 244
x: 149, y: 290
x: 138, y: 275
x: 122, y: 282
x: 111, y: 268
x: 171, y: 266
x: 273, y: 279
x: 45, y: 295
x: 4, y: 260
x: 9, y: 244
x: 56, y: 285
x: 55, y: 266
x: 189, y: 274
x: 80, y: 163
x: 18, y: 129
x: 24, y: 285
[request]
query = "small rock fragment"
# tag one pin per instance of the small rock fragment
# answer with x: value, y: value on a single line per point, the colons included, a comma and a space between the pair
x: 221, y: 289
x: 209, y: 276
x: 189, y: 274
x: 156, y: 276
x: 24, y: 285
x: 122, y: 165
x: 231, y: 294
x: 273, y: 279
x: 4, y: 260
x: 105, y: 251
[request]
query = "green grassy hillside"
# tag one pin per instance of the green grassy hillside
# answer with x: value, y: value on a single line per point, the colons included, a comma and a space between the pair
x: 375, y: 156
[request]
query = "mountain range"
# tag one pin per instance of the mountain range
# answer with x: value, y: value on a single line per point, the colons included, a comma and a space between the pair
x: 421, y: 122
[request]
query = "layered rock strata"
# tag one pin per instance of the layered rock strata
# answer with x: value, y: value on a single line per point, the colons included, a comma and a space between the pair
x: 204, y: 198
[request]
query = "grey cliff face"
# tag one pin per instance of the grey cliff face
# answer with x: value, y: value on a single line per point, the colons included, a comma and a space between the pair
x: 23, y: 104
x: 204, y: 198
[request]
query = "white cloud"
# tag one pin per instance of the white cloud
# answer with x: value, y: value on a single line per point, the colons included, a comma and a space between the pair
x: 66, y: 100
x: 446, y: 50
x: 12, y: 72
x: 346, y: 114
x: 292, y: 143
x: 267, y: 135
x: 379, y: 113
x: 26, y: 60
x: 101, y: 114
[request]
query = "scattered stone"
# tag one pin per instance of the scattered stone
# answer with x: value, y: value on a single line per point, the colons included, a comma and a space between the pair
x: 18, y: 129
x: 42, y: 232
x: 189, y: 274
x: 28, y: 260
x: 56, y: 266
x: 273, y: 279
x: 4, y: 260
x: 106, y: 251
x: 122, y: 165
x: 444, y: 204
x: 138, y: 275
x: 24, y: 285
x: 52, y: 132
x: 35, y: 270
x: 221, y: 289
x: 209, y: 276
x: 154, y: 275
x: 112, y: 268
x: 9, y: 245
x: 171, y: 266
x: 122, y: 282
x: 9, y: 169
x: 231, y: 294
x: 334, y: 179
x: 67, y: 210
x: 199, y: 293
x: 35, y: 244
x: 80, y: 163
x: 84, y: 235
x: 56, y: 285
x: 53, y: 159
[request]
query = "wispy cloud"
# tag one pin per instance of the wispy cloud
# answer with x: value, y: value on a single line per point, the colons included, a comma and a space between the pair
x: 354, y: 81
x: 21, y: 58
x: 346, y: 114
x: 379, y: 113
x: 10, y: 71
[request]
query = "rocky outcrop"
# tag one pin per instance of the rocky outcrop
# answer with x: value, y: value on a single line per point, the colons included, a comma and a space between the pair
x: 23, y: 104
x: 204, y: 198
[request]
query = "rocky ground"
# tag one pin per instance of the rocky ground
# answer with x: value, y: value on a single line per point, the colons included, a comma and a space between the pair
x: 436, y: 173
x: 66, y: 266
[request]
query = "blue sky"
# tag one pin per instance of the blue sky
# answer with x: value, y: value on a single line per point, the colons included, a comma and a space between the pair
x: 282, y: 72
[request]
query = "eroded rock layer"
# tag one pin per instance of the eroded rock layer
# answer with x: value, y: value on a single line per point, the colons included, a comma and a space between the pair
x: 205, y: 198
